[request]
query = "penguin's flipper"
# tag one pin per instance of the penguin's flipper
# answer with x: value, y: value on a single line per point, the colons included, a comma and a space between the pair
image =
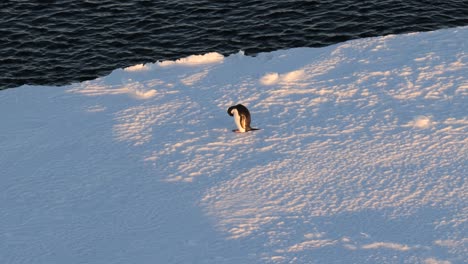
x: 243, y: 122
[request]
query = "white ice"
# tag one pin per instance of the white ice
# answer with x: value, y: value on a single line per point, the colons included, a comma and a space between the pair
x: 361, y: 158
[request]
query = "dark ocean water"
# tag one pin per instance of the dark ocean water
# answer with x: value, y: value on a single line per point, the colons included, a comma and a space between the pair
x: 65, y: 41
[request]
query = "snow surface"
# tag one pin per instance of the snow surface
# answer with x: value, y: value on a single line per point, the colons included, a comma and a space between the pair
x: 362, y: 158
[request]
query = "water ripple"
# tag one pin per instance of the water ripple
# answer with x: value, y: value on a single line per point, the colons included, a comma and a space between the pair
x: 59, y: 42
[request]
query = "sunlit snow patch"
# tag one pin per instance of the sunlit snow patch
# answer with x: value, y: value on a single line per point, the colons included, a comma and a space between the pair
x: 193, y: 60
x: 138, y: 67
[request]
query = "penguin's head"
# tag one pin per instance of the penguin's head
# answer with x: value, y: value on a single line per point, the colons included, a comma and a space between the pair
x: 229, y: 111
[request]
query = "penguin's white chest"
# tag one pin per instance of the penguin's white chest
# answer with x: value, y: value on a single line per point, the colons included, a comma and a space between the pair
x: 237, y: 120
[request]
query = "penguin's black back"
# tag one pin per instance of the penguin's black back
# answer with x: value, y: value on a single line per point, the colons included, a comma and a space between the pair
x: 242, y: 110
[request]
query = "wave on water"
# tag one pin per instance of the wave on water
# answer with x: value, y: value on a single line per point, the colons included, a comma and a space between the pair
x: 59, y: 42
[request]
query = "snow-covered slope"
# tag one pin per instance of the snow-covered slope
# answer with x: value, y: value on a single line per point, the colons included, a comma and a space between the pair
x: 361, y: 158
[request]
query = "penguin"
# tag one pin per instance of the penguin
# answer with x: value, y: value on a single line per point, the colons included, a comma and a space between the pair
x: 241, y: 118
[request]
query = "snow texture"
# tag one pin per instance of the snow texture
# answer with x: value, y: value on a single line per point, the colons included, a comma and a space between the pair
x: 362, y: 158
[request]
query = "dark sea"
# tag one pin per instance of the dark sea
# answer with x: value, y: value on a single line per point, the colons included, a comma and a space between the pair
x: 65, y: 41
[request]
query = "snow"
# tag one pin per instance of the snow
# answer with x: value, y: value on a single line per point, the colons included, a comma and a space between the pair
x: 361, y: 158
